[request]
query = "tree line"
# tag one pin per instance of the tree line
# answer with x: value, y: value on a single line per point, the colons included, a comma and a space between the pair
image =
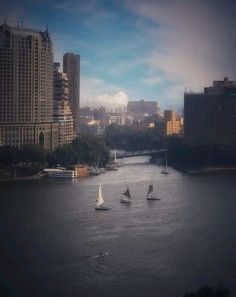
x: 129, y: 138
x: 30, y: 159
x: 92, y: 149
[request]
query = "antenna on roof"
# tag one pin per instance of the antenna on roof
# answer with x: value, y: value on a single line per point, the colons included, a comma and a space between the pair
x: 5, y: 20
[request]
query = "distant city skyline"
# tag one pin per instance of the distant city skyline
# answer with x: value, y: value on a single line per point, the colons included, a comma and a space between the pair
x: 135, y: 49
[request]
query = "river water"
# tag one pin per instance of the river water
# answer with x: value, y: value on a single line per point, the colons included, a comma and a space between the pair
x: 51, y: 236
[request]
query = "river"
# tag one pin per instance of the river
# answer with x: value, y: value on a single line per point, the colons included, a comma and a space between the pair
x: 52, y: 238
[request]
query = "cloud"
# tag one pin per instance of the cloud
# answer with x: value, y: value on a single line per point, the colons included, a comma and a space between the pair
x: 155, y: 80
x: 195, y: 40
x: 95, y: 92
x: 119, y: 99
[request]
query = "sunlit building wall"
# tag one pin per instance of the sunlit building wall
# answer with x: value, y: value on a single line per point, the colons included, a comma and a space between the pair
x: 172, y: 124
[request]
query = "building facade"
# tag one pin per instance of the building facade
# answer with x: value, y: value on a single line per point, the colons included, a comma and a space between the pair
x: 26, y: 87
x: 71, y: 66
x: 62, y: 114
x: 210, y: 117
x: 173, y: 125
x: 115, y: 118
x: 141, y: 109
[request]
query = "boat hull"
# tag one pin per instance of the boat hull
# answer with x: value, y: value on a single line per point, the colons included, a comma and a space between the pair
x: 102, y: 208
x: 165, y: 172
x: 153, y: 198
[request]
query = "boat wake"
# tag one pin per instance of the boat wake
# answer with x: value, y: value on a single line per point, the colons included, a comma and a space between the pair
x: 100, y: 255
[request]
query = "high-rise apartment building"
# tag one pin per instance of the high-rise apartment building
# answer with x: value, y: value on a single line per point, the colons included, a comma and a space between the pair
x: 62, y: 114
x: 210, y: 117
x: 26, y: 87
x: 71, y: 66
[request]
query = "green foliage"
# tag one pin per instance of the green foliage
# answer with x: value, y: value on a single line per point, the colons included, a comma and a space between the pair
x: 26, y: 154
x: 86, y: 149
x: 129, y: 138
x: 29, y: 160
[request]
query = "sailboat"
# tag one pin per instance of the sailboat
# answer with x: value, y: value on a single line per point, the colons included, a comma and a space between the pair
x: 100, y: 201
x: 165, y: 170
x: 127, y: 197
x: 149, y: 193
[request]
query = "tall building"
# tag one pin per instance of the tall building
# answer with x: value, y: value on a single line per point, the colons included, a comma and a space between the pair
x: 71, y: 66
x: 62, y: 114
x: 141, y: 109
x: 210, y: 117
x: 26, y: 87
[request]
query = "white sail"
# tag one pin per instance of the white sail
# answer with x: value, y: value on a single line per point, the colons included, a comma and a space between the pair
x: 165, y: 170
x: 127, y: 198
x: 166, y: 163
x: 99, y: 199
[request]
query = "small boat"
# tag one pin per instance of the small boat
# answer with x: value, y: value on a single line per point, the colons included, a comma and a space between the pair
x: 100, y: 201
x: 149, y: 193
x: 111, y: 167
x: 165, y: 170
x: 127, y: 197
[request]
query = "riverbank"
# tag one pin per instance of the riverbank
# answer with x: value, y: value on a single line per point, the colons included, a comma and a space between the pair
x: 15, y: 178
x: 209, y: 170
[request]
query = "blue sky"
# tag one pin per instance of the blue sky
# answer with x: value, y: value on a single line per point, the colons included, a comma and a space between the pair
x: 138, y: 49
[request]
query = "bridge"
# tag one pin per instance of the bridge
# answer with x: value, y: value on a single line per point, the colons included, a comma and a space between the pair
x: 124, y: 154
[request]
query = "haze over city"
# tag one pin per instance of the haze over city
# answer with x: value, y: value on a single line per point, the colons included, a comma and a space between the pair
x: 137, y: 49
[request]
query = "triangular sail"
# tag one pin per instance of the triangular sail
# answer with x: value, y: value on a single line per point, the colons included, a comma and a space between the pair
x: 127, y: 193
x: 150, y: 189
x: 99, y: 199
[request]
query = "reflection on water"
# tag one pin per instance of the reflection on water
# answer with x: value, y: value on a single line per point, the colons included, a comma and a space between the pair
x: 55, y: 244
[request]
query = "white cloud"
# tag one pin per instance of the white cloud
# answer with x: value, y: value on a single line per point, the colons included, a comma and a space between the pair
x: 95, y: 92
x: 119, y: 99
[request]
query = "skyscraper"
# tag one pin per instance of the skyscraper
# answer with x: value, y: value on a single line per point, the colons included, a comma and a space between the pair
x: 26, y: 87
x: 71, y: 66
x: 61, y: 106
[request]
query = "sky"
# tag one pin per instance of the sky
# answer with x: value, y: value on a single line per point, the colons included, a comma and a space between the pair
x: 137, y: 49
